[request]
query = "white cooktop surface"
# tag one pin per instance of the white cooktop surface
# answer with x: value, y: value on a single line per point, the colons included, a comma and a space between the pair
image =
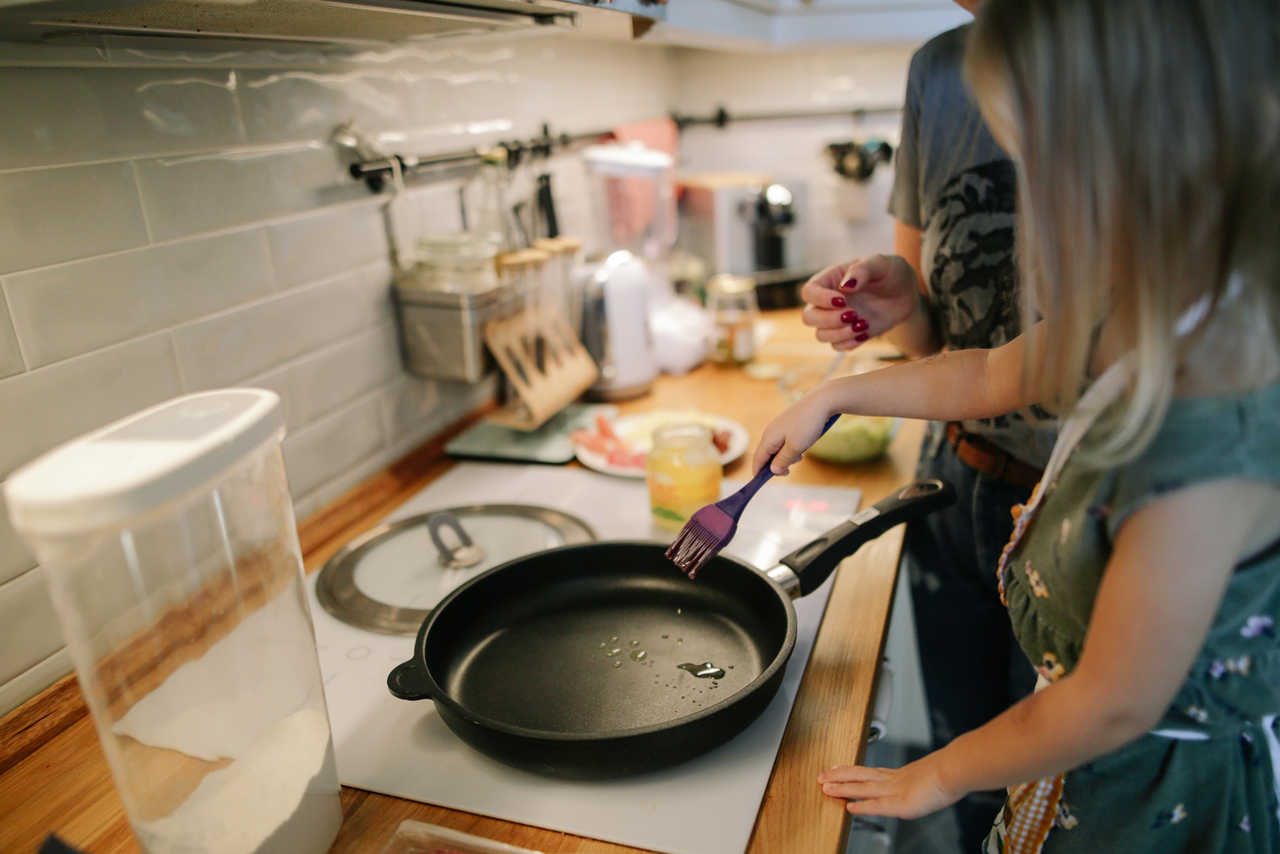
x: 705, y: 806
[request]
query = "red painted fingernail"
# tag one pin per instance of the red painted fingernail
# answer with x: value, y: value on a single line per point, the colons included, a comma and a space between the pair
x: 848, y: 317
x: 860, y: 338
x: 849, y: 283
x: 859, y: 325
x: 838, y: 302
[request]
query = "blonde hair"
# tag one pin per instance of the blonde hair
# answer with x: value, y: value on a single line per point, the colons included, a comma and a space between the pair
x: 1147, y: 140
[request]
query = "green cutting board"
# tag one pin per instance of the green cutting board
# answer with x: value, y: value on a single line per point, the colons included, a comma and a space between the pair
x: 548, y: 444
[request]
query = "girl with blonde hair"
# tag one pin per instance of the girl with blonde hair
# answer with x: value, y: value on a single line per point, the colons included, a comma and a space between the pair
x: 1143, y: 577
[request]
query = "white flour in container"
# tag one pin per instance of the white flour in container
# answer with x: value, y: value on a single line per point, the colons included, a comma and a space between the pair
x: 279, y: 797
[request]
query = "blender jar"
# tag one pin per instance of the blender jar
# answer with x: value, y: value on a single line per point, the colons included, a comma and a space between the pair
x: 170, y: 548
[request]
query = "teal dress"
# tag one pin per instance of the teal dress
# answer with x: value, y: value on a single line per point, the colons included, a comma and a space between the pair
x: 1204, y: 780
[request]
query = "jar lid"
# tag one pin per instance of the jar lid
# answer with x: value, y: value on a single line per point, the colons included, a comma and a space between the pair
x: 727, y: 283
x: 455, y: 246
x: 521, y: 259
x: 558, y: 245
x: 142, y: 462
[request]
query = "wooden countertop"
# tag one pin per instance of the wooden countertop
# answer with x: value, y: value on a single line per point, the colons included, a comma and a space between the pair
x: 53, y: 777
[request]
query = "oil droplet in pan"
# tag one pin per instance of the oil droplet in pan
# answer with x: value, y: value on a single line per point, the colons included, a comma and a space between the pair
x: 705, y: 670
x: 611, y: 653
x: 635, y: 643
x: 617, y: 664
x: 639, y: 654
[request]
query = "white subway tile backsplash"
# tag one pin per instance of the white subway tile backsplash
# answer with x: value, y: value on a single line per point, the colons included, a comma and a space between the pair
x: 29, y: 633
x: 60, y: 115
x: 52, y: 215
x: 300, y: 104
x: 416, y: 408
x: 336, y: 375
x: 10, y: 355
x: 73, y: 308
x: 32, y: 681
x: 316, y: 452
x: 15, y: 557
x: 194, y: 194
x: 47, y: 406
x: 227, y: 348
x: 317, y: 247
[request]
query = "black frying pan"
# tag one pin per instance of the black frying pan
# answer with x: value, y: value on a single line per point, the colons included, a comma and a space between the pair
x: 537, y: 662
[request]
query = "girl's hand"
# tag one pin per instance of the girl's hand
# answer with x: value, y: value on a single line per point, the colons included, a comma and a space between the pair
x: 907, y: 792
x: 791, y: 433
x: 851, y: 302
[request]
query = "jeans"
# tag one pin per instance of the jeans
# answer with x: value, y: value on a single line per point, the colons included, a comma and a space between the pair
x: 973, y: 668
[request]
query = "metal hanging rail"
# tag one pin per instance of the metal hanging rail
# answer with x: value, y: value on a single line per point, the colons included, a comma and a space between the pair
x: 375, y: 166
x: 378, y: 171
x: 722, y: 117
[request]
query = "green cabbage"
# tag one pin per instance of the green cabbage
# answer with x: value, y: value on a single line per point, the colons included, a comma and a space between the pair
x: 854, y: 438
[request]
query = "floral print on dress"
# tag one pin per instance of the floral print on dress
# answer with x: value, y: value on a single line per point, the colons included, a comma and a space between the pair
x: 1037, y: 583
x: 1173, y: 816
x: 1064, y: 819
x: 1219, y: 669
x: 1197, y: 714
x: 1245, y: 825
x: 1258, y: 625
x: 1050, y: 668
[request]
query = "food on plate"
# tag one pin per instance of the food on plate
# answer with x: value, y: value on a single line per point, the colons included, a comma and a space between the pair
x: 604, y: 442
x: 853, y: 439
x: 629, y: 448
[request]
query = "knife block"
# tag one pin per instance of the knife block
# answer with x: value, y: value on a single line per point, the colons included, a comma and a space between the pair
x: 544, y: 362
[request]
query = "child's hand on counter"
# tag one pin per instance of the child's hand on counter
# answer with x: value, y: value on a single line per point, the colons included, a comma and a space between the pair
x: 911, y: 791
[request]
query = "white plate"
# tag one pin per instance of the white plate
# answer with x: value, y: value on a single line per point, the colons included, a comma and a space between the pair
x: 739, y: 441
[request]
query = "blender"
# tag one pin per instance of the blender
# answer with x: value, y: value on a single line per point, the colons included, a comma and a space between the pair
x: 633, y: 204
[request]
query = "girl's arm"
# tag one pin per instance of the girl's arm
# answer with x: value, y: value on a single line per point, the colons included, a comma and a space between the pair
x: 1158, y: 597
x: 952, y: 386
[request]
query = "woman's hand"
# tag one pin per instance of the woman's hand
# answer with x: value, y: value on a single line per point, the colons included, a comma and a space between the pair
x: 791, y: 433
x: 907, y: 792
x: 851, y: 302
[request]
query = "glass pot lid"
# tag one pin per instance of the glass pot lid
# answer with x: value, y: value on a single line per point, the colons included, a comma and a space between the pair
x: 389, y: 579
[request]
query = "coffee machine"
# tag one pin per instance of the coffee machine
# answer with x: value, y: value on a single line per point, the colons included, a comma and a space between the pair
x: 746, y: 224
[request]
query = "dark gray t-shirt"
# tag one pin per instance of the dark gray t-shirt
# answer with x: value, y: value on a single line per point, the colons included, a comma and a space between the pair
x: 957, y: 186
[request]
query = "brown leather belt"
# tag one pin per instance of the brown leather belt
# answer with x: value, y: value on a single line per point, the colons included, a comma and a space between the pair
x: 992, y: 461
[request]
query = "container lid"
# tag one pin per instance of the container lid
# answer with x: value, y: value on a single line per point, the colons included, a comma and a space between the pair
x: 558, y: 245
x: 727, y: 283
x: 454, y: 247
x: 141, y: 462
x: 521, y: 259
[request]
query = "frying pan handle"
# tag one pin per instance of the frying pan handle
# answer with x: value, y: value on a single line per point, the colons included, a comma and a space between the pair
x: 406, y: 683
x: 814, y: 562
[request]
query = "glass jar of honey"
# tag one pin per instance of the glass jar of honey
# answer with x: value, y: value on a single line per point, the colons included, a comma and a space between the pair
x: 683, y: 474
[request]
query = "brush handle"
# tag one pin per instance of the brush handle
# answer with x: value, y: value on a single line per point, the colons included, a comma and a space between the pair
x: 736, y: 503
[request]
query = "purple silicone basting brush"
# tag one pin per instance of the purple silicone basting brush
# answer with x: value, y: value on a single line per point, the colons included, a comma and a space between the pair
x: 711, y: 528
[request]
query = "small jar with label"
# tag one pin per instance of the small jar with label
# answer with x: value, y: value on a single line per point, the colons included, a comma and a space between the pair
x: 683, y: 473
x: 732, y: 303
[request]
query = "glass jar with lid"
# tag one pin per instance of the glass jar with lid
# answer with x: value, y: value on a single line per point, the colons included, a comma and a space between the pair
x: 732, y: 303
x: 682, y: 472
x: 461, y: 262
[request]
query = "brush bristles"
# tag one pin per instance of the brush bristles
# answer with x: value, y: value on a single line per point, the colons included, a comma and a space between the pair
x: 694, y: 548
